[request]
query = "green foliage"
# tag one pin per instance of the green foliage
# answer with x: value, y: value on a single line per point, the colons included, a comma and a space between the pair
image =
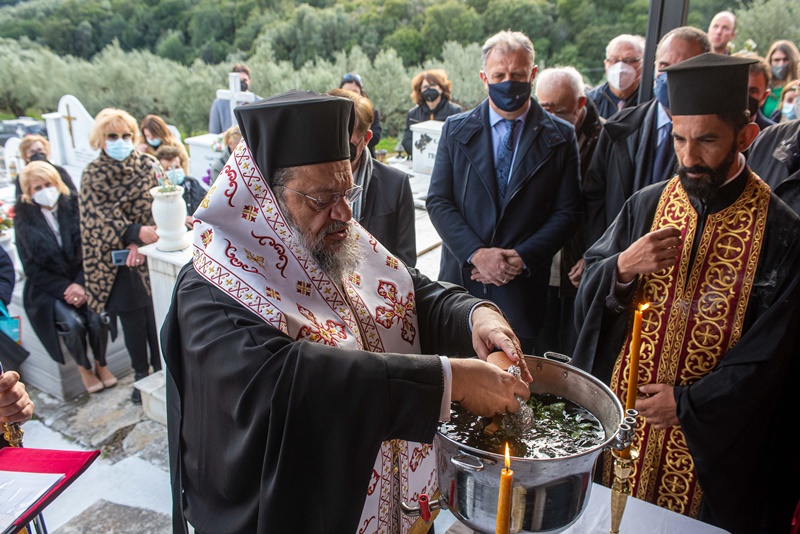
x: 450, y: 21
x: 766, y: 21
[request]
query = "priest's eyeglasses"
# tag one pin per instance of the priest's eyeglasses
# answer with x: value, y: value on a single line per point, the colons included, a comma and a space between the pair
x: 115, y: 136
x: 329, y: 199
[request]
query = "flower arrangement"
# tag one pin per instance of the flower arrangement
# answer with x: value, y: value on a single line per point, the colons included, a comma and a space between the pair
x: 217, y: 145
x: 6, y: 221
x: 164, y: 184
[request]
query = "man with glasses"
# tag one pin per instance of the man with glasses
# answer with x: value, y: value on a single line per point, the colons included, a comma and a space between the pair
x: 635, y: 146
x: 352, y: 82
x: 281, y: 399
x: 623, y: 65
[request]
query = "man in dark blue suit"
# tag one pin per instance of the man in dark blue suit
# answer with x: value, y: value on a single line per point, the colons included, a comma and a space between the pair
x: 505, y: 189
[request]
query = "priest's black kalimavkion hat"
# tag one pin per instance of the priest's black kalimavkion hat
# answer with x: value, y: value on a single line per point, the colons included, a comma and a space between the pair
x: 296, y: 128
x: 708, y: 84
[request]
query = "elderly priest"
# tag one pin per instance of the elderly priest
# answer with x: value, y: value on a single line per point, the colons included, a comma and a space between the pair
x: 297, y: 346
x: 717, y: 256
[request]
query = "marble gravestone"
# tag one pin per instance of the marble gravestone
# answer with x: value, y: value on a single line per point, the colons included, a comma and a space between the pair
x: 205, y: 149
x: 426, y: 143
x: 68, y: 131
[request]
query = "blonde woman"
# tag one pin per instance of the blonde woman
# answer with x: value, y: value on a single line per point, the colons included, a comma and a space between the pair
x: 47, y: 225
x: 116, y: 220
x: 154, y: 134
x: 37, y: 148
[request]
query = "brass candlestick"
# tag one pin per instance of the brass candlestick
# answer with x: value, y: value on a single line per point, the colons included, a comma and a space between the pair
x: 624, y: 457
x: 621, y: 487
x: 13, y: 434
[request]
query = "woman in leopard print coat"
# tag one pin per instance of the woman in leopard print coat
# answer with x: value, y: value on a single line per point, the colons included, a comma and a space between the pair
x: 116, y: 215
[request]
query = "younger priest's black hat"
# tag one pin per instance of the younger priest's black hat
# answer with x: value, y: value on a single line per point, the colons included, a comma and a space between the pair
x: 296, y: 128
x: 708, y: 84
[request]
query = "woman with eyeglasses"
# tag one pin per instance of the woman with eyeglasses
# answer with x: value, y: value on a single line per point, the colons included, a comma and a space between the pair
x: 432, y: 91
x: 116, y: 216
x: 47, y: 226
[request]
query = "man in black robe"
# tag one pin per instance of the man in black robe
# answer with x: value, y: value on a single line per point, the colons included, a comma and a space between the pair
x: 275, y: 415
x: 634, y: 148
x: 717, y: 255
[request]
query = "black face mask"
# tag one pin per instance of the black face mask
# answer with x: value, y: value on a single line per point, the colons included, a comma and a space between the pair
x: 430, y: 94
x: 752, y: 107
x: 244, y: 85
x: 38, y: 156
x: 510, y: 95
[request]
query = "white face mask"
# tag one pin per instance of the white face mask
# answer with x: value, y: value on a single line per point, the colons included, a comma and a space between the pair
x: 47, y: 197
x: 621, y: 76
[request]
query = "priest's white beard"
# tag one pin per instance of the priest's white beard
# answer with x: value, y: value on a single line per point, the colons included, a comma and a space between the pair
x: 339, y: 261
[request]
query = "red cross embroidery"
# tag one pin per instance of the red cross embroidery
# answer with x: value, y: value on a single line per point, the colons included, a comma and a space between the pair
x: 355, y: 279
x: 271, y: 293
x: 327, y: 334
x: 391, y: 262
x: 399, y: 310
x: 250, y: 213
x: 207, y: 236
x: 304, y: 288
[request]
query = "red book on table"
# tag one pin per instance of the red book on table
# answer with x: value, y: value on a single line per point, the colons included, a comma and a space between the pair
x: 69, y: 463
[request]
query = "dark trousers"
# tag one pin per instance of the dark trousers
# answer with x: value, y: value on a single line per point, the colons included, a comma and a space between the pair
x: 139, y: 328
x: 74, y: 325
x: 558, y: 333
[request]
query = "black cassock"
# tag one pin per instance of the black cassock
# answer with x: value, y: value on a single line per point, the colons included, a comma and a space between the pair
x: 736, y: 418
x: 281, y: 436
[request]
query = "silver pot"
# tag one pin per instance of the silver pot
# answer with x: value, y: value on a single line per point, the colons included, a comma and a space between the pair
x: 548, y: 495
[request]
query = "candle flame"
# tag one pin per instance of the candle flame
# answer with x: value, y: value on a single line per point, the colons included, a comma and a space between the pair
x: 508, y: 458
x: 643, y: 307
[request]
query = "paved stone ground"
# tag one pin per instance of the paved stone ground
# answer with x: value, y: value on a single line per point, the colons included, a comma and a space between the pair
x: 126, y: 490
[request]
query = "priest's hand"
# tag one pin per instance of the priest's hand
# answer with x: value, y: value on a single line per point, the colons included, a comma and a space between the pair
x: 659, y: 407
x: 496, y: 266
x: 484, y: 389
x: 15, y: 404
x: 491, y: 331
x: 651, y: 253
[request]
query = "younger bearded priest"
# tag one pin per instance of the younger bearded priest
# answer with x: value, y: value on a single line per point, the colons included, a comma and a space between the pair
x: 717, y: 256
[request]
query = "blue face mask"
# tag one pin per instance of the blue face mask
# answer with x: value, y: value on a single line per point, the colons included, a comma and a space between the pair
x: 510, y: 95
x: 119, y: 149
x: 660, y: 90
x: 788, y: 110
x: 176, y: 176
x: 155, y: 142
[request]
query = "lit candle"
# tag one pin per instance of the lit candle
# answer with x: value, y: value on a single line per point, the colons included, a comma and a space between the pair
x: 504, y: 497
x: 633, y: 366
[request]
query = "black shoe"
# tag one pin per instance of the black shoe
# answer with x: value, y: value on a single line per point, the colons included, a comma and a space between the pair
x: 136, y: 396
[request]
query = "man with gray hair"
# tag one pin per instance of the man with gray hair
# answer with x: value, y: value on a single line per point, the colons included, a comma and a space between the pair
x: 623, y: 65
x: 561, y: 93
x: 505, y: 190
x: 635, y: 146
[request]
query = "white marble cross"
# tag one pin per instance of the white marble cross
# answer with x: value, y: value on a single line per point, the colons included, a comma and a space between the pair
x: 234, y: 94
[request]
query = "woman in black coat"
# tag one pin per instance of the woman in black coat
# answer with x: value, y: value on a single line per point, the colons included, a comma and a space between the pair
x: 432, y: 92
x: 47, y: 226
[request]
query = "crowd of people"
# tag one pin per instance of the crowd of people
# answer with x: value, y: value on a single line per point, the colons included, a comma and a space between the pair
x: 560, y: 212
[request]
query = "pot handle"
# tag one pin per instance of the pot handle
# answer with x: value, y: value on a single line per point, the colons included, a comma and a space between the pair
x: 556, y: 356
x: 456, y: 461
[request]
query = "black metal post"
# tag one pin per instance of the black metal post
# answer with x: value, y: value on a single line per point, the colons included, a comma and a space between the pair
x: 665, y: 15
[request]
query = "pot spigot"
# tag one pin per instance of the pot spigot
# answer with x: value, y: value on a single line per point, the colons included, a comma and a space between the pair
x: 425, y: 508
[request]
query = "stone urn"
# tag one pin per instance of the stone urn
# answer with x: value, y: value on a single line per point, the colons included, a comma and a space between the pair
x: 169, y: 213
